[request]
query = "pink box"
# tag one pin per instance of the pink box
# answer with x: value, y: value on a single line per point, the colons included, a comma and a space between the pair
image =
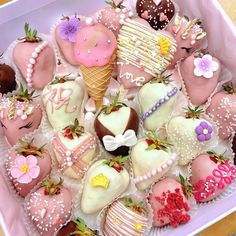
x: 42, y: 14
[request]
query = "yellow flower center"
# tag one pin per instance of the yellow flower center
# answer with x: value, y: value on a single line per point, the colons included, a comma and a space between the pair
x: 138, y: 226
x: 205, y: 131
x: 24, y: 168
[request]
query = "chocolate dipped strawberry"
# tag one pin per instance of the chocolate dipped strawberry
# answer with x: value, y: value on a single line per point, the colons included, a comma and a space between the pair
x: 169, y: 201
x: 35, y: 59
x: 189, y: 36
x: 74, y: 149
x: 49, y: 207
x: 104, y: 182
x: 62, y: 99
x: 158, y: 13
x: 142, y: 53
x: 126, y: 217
x: 151, y: 159
x: 157, y: 100
x: 222, y: 109
x: 200, y: 73
x: 65, y: 34
x: 19, y: 115
x: 27, y: 165
x: 7, y: 78
x: 117, y: 126
x: 189, y: 134
x: 77, y: 228
x: 114, y: 15
x: 211, y: 174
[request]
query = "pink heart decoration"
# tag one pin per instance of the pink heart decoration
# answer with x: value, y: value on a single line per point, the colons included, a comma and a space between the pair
x: 42, y: 212
x: 163, y: 17
x: 145, y: 15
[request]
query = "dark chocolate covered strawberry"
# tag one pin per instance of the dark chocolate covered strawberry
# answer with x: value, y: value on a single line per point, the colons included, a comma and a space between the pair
x: 116, y: 126
x: 158, y: 13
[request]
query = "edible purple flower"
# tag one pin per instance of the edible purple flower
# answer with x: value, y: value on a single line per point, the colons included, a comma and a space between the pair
x: 205, y: 66
x: 69, y: 27
x: 204, y: 131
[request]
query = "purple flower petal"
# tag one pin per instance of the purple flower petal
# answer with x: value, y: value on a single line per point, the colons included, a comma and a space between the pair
x: 201, y: 137
x: 207, y: 136
x: 199, y: 129
x: 204, y: 124
x: 210, y: 130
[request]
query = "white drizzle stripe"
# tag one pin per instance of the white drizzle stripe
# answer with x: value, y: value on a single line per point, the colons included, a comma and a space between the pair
x: 153, y: 172
x: 33, y: 61
x: 122, y: 221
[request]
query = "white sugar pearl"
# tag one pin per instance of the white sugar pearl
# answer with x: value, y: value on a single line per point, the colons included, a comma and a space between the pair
x: 117, y: 10
x: 19, y: 112
x: 70, y: 163
x: 122, y: 16
x: 32, y: 61
x: 29, y: 70
x: 28, y: 79
x: 169, y: 162
x: 24, y: 117
x: 30, y: 66
x: 121, y: 22
x: 68, y: 159
x: 40, y: 46
x: 154, y: 172
x: 38, y: 50
x: 159, y: 170
x: 28, y: 75
x: 131, y: 14
x: 124, y: 10
x: 30, y: 85
x: 89, y: 21
x: 164, y: 166
x: 44, y: 43
x: 68, y: 153
x: 34, y: 54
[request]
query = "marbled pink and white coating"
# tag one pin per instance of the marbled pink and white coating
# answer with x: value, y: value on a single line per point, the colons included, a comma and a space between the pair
x: 18, y: 118
x: 113, y: 18
x: 121, y: 221
x: 49, y: 212
x: 223, y: 111
x: 200, y: 80
x: 210, y: 178
x: 95, y: 45
x: 14, y: 161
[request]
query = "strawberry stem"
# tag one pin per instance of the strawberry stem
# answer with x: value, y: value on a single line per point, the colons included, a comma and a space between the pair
x: 24, y: 95
x: 218, y: 158
x: 52, y: 188
x: 187, y: 187
x: 117, y: 163
x: 73, y: 131
x: 229, y: 88
x: 82, y: 229
x: 193, y: 113
x: 114, y: 5
x: 135, y: 206
x: 30, y: 35
x: 161, y: 78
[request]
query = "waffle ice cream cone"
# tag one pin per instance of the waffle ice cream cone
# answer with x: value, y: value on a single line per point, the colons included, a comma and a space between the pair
x: 97, y: 80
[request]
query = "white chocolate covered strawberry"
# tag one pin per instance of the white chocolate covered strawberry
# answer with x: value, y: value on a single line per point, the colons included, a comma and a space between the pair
x: 222, y: 109
x: 126, y: 217
x: 117, y: 126
x: 19, y: 115
x: 104, y: 182
x: 189, y: 134
x: 74, y: 149
x: 151, y: 159
x: 200, y: 73
x: 211, y: 174
x: 169, y: 201
x: 62, y: 99
x: 114, y: 15
x: 27, y: 165
x: 49, y: 207
x: 156, y: 100
x: 35, y: 59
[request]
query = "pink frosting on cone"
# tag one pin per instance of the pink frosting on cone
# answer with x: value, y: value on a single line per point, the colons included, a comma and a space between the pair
x: 94, y: 45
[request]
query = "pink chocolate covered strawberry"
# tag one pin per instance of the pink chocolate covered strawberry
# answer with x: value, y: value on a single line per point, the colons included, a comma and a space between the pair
x: 126, y: 217
x: 158, y: 13
x: 223, y: 111
x: 19, y: 115
x: 200, y: 73
x: 211, y: 174
x: 65, y: 35
x: 169, y: 201
x: 27, y: 165
x: 49, y: 207
x: 114, y: 16
x: 151, y: 159
x: 74, y: 149
x: 188, y: 34
x: 35, y: 59
x: 117, y: 126
x: 142, y: 53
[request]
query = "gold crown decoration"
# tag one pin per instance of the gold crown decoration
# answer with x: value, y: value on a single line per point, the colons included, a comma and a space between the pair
x: 100, y: 180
